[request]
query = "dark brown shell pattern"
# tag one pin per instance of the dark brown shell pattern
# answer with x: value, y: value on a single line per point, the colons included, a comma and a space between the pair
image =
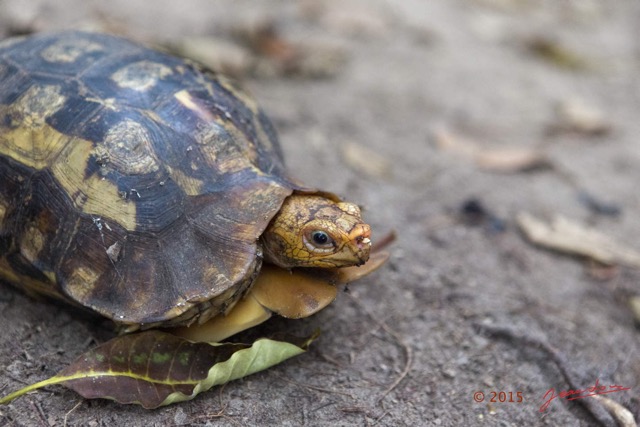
x: 133, y: 183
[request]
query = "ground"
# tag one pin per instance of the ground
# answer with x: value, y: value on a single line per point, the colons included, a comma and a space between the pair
x: 394, y: 106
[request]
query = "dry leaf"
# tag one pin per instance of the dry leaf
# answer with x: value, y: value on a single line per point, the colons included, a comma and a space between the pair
x: 505, y: 160
x: 359, y: 17
x: 511, y: 159
x: 555, y: 53
x: 215, y: 53
x: 569, y: 237
x: 577, y: 116
x: 623, y: 416
x: 276, y: 55
x: 154, y: 368
x: 366, y: 161
x: 634, y: 304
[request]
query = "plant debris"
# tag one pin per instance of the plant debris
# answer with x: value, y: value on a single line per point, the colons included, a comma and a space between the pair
x: 154, y: 368
x: 276, y: 55
x: 623, y: 416
x: 596, y: 407
x: 557, y: 54
x: 474, y: 213
x: 597, y: 206
x: 366, y: 161
x: 502, y: 159
x: 634, y: 304
x: 215, y: 53
x: 577, y: 116
x: 570, y: 237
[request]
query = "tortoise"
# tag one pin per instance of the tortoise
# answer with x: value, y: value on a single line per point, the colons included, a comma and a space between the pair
x: 150, y: 190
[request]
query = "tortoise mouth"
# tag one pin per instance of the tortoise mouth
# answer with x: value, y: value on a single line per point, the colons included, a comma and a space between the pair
x: 360, y: 242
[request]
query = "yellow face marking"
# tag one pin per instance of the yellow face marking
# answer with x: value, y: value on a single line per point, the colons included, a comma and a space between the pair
x: 289, y: 240
x: 69, y: 50
x: 140, y: 75
x: 101, y: 196
x: 28, y: 139
x: 127, y: 149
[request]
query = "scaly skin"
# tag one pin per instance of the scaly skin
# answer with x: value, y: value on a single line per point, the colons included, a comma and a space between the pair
x: 313, y: 231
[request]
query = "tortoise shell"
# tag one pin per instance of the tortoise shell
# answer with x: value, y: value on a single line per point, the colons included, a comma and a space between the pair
x: 132, y: 182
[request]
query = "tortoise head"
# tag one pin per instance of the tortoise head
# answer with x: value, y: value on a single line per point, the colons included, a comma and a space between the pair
x: 315, y: 231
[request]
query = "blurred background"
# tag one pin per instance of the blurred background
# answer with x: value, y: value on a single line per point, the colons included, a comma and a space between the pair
x: 497, y: 138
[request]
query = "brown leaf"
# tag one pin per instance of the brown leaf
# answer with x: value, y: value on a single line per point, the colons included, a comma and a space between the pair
x: 154, y: 368
x: 362, y: 159
x: 505, y: 160
x: 215, y: 53
x: 557, y: 54
x: 579, y: 117
x: 276, y: 55
x: 569, y: 237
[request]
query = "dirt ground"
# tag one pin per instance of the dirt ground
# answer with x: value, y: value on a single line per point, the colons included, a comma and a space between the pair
x: 404, y: 107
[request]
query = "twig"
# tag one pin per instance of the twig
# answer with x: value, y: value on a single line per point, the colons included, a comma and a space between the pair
x: 219, y: 414
x: 70, y: 411
x: 384, y: 241
x: 40, y: 412
x: 407, y: 350
x: 592, y: 405
x: 311, y: 387
x: 366, y: 412
x: 408, y: 361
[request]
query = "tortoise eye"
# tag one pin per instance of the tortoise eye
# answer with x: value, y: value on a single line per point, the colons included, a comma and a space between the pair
x: 319, y: 241
x: 320, y: 238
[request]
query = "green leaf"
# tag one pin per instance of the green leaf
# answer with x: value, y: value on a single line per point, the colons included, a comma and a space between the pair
x: 155, y: 368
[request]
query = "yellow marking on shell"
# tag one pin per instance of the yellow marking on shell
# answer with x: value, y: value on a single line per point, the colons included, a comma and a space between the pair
x: 69, y: 50
x: 191, y: 103
x: 127, y: 149
x: 141, y: 75
x: 11, y: 41
x: 191, y: 186
x: 81, y: 283
x: 239, y: 93
x: 108, y: 103
x: 3, y: 212
x: 36, y: 104
x: 31, y: 243
x: 50, y: 275
x: 252, y: 105
x: 27, y: 283
x: 27, y: 138
x: 213, y: 276
x: 101, y: 196
x: 236, y: 154
x: 221, y: 143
